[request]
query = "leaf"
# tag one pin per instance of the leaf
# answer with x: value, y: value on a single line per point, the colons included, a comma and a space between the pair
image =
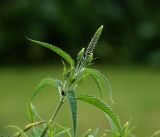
x: 62, y: 131
x: 51, y: 131
x: 32, y: 112
x: 47, y: 82
x: 57, y: 50
x: 99, y: 79
x: 102, y: 106
x: 95, y: 133
x: 19, y: 131
x: 87, y: 133
x: 127, y: 129
x: 36, y: 132
x: 64, y: 69
x: 156, y: 134
x: 73, y: 105
x: 114, y: 129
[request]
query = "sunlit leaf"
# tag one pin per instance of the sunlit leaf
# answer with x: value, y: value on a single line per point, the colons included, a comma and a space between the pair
x: 102, y: 106
x: 57, y: 50
x: 114, y: 131
x: 100, y: 79
x: 46, y: 82
x: 33, y: 115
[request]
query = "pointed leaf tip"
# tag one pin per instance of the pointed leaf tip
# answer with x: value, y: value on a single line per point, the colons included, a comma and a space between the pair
x: 101, y: 27
x: 57, y: 50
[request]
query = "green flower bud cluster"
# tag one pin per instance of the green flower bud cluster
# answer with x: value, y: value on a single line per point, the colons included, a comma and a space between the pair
x: 93, y: 42
x: 89, y: 59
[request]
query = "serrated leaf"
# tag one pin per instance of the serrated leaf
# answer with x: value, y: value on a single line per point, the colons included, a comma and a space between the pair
x: 57, y: 50
x: 46, y: 82
x: 100, y: 79
x: 102, y: 106
x: 73, y: 105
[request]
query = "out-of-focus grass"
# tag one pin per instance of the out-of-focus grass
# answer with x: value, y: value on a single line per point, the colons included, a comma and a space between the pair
x: 136, y: 93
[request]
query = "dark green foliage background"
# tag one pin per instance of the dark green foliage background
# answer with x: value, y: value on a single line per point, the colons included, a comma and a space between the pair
x: 131, y: 29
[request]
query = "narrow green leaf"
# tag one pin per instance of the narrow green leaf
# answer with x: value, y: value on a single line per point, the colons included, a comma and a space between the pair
x: 95, y: 133
x: 156, y: 134
x: 112, y: 125
x: 32, y: 112
x: 62, y: 131
x: 73, y: 105
x: 36, y: 132
x: 64, y: 70
x: 127, y: 130
x: 108, y: 85
x: 100, y: 79
x: 57, y: 50
x: 102, y: 106
x: 51, y: 131
x: 87, y: 133
x: 47, y: 82
x: 19, y: 131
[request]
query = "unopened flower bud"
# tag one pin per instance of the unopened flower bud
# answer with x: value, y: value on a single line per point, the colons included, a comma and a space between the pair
x: 80, y: 54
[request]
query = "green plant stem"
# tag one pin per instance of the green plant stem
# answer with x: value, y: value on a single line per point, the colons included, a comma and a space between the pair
x: 57, y: 109
x: 53, y: 116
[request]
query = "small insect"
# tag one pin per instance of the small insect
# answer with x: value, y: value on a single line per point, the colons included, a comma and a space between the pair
x: 63, y: 93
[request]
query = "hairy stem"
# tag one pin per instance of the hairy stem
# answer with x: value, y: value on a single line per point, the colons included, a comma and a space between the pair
x: 57, y: 109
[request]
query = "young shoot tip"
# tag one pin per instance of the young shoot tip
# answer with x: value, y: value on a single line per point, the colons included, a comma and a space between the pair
x: 101, y: 27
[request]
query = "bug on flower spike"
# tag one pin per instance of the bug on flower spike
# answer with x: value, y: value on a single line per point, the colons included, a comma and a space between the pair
x: 63, y: 93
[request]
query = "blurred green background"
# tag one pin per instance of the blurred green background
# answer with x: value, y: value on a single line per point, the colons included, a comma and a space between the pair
x: 128, y: 51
